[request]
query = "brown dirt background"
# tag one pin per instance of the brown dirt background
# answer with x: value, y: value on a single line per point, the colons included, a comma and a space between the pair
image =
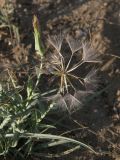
x: 100, y: 21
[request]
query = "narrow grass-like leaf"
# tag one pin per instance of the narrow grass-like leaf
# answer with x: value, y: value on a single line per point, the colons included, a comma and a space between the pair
x: 37, y: 37
x: 51, y: 137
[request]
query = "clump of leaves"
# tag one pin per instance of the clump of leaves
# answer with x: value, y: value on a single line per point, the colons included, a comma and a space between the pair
x: 22, y: 117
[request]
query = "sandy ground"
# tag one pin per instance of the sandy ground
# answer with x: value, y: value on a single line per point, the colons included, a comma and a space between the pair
x: 98, y: 21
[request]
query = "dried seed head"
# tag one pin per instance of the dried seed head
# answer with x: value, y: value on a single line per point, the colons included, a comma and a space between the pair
x: 75, y: 45
x: 82, y: 94
x: 66, y: 69
x: 72, y: 102
x: 59, y: 101
x: 91, y: 80
x: 67, y: 102
x: 54, y: 59
x: 89, y: 54
x: 56, y: 41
